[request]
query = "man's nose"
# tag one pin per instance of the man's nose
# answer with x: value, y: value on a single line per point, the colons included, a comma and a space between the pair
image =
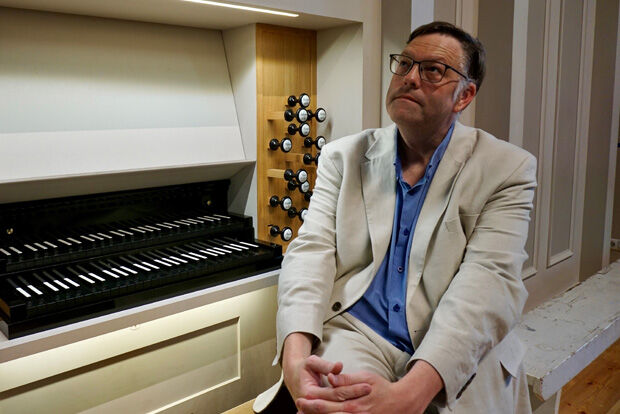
x: 413, y: 76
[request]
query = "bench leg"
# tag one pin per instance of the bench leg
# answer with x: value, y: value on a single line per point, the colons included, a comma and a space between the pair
x: 550, y: 406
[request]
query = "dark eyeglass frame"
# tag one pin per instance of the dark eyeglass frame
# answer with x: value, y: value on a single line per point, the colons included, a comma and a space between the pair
x: 394, y: 56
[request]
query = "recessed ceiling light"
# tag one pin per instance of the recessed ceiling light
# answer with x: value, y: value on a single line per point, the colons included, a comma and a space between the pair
x: 236, y: 6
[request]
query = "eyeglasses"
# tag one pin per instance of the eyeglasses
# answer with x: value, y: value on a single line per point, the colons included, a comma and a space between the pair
x: 429, y: 70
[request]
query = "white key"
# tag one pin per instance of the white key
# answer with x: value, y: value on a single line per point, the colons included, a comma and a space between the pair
x: 171, y: 225
x: 208, y: 218
x: 137, y: 230
x: 190, y: 257
x: 219, y: 249
x: 116, y: 233
x: 133, y: 272
x: 31, y: 248
x: 49, y: 285
x: 164, y: 226
x: 238, y: 246
x: 119, y: 271
x: 230, y: 246
x: 73, y: 240
x: 15, y: 250
x: 64, y: 242
x: 110, y: 273
x: 178, y: 259
x: 87, y: 238
x: 71, y: 282
x: 86, y: 279
x: 62, y: 285
x: 145, y: 229
x: 126, y: 232
x: 152, y: 227
x: 182, y: 222
x: 210, y: 253
x: 99, y: 278
x: 23, y: 292
x: 52, y: 245
x: 94, y: 236
x: 40, y: 246
x: 219, y: 215
x: 105, y: 236
x: 139, y: 266
x: 197, y: 255
x: 4, y: 252
x: 193, y: 221
x: 35, y: 290
x: 248, y: 244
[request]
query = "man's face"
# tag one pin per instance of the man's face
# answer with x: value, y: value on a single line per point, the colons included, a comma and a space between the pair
x: 413, y: 102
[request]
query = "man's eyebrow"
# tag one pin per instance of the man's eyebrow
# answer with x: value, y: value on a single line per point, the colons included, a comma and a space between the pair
x: 440, y: 59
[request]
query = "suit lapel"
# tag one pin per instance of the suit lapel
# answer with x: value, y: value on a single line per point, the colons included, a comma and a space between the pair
x: 458, y: 151
x: 378, y: 179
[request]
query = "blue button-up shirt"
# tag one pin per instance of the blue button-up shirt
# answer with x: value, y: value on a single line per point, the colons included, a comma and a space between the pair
x: 383, y: 306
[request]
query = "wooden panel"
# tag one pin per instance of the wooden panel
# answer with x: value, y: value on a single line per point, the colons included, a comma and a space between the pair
x: 285, y: 65
x: 564, y: 160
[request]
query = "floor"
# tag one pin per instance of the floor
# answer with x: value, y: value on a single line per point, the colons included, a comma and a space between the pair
x: 596, y: 390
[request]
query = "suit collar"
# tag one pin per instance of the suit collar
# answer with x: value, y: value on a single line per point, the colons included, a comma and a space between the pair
x: 378, y: 187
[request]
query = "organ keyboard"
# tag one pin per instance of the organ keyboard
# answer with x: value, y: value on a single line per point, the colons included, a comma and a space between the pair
x: 68, y: 259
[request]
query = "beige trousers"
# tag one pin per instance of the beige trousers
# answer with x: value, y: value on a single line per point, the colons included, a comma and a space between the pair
x: 358, y: 347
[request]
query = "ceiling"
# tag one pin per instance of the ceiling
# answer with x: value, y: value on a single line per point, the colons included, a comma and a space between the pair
x: 175, y: 12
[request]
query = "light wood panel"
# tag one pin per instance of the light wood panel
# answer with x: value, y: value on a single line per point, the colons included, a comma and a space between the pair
x: 285, y: 65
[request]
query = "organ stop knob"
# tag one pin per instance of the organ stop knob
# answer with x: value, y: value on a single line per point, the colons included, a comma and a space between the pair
x: 285, y: 234
x: 285, y: 203
x: 318, y: 142
x: 303, y: 100
x: 300, y: 115
x: 303, y: 187
x: 303, y: 129
x: 285, y: 145
x: 301, y: 175
x: 309, y: 159
x: 320, y: 114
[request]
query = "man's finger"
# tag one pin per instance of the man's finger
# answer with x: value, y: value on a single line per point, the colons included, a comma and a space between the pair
x: 321, y: 366
x: 343, y: 393
x: 348, y: 379
x: 318, y: 406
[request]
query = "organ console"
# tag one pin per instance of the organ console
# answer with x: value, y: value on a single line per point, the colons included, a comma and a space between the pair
x: 285, y: 145
x: 285, y: 203
x: 318, y: 142
x: 309, y: 159
x: 68, y: 259
x: 303, y: 187
x: 301, y: 175
x: 320, y: 114
x: 303, y: 129
x: 303, y: 100
x: 301, y: 115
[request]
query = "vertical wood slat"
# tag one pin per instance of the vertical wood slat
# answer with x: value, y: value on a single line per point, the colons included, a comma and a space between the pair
x: 285, y: 65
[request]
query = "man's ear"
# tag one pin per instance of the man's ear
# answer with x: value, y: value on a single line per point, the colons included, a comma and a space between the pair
x: 465, y: 97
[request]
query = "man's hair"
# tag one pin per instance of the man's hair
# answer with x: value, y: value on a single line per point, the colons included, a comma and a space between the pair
x: 472, y: 48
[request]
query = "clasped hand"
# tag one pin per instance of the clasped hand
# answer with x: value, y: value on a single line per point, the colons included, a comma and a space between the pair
x: 318, y: 386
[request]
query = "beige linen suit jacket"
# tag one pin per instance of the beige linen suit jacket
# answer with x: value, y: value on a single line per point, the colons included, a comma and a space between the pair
x: 464, y: 291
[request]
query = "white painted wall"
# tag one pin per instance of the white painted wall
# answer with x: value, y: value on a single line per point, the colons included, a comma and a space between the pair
x: 340, y: 81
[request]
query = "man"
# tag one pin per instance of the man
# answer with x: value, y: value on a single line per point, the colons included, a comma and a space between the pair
x: 401, y: 290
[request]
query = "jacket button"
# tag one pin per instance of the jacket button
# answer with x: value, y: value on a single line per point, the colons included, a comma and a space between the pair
x: 336, y: 306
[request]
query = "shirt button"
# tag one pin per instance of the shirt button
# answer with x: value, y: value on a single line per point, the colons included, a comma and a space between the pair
x: 336, y: 306
x: 396, y: 307
x: 400, y: 269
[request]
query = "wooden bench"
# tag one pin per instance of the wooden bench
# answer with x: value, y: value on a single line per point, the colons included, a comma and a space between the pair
x: 566, y: 333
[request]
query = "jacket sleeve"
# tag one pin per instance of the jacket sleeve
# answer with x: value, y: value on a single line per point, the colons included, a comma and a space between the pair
x: 486, y: 296
x: 309, y: 267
